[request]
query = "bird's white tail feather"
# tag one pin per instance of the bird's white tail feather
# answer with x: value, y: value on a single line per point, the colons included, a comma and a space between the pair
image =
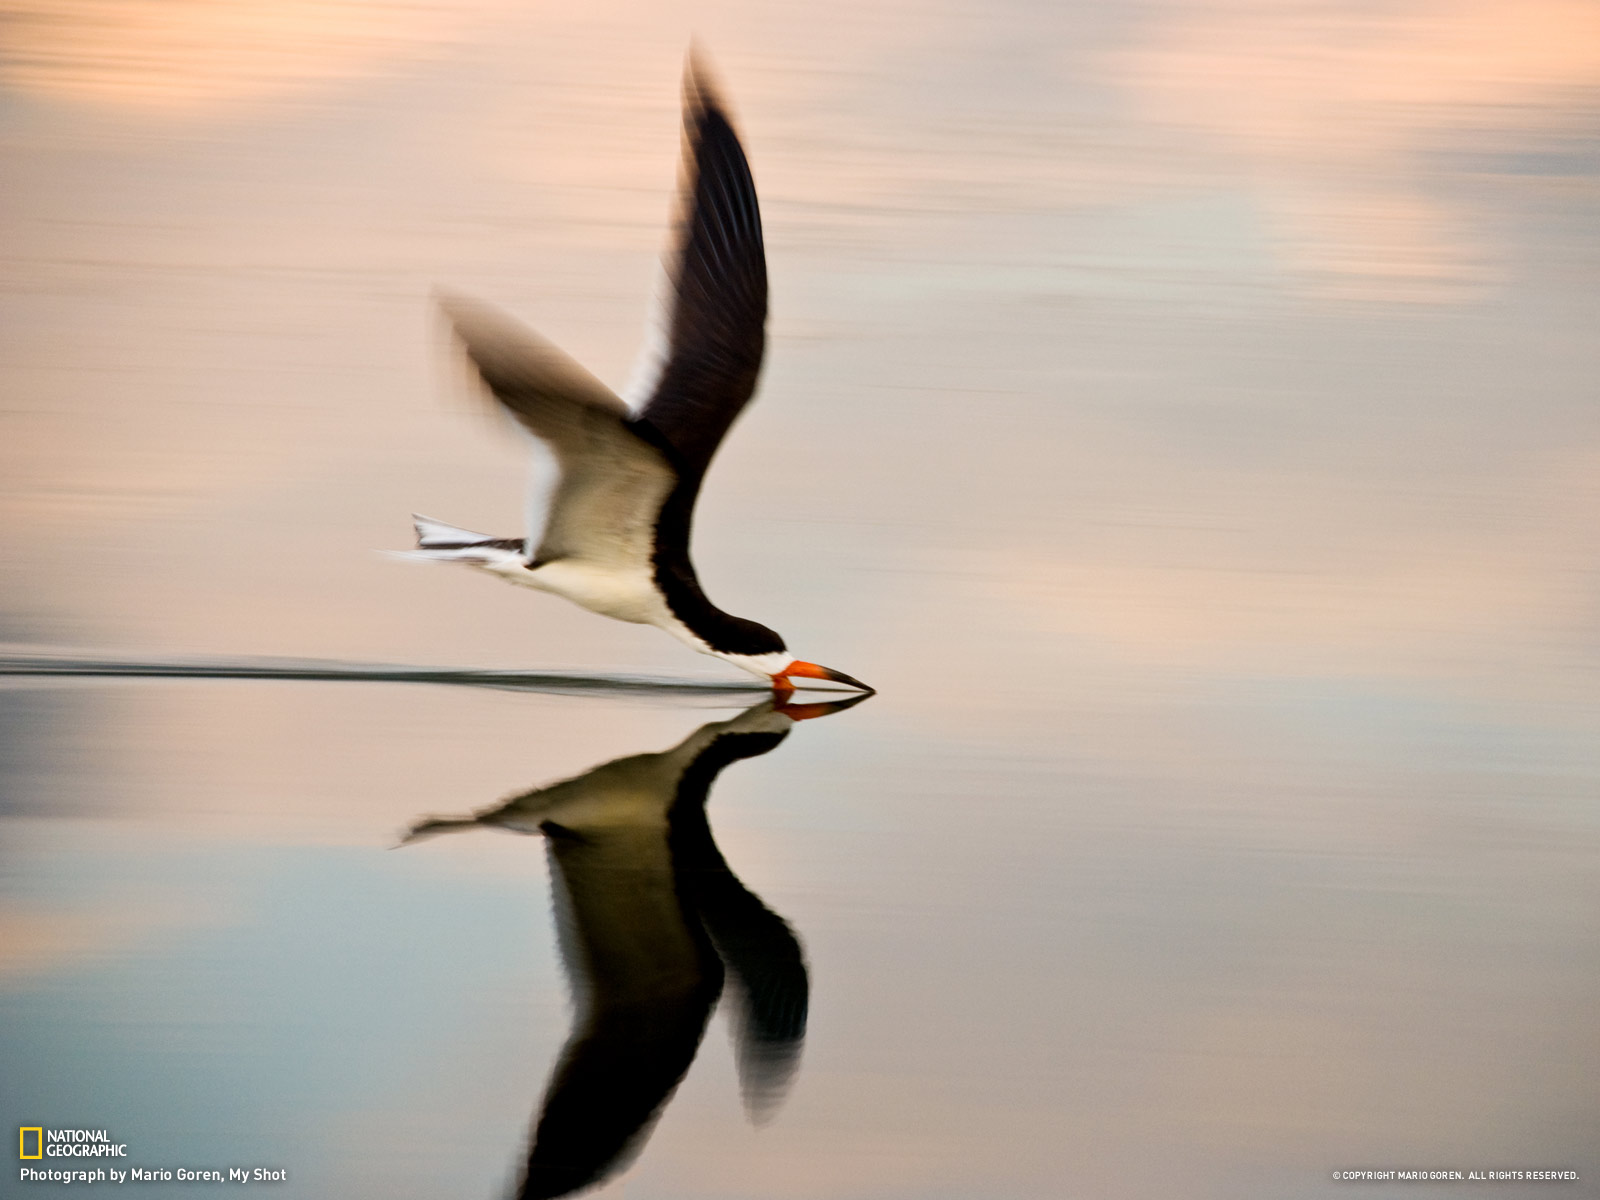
x: 432, y: 534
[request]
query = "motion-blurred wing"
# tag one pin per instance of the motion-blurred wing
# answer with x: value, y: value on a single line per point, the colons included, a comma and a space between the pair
x: 717, y: 302
x: 612, y: 482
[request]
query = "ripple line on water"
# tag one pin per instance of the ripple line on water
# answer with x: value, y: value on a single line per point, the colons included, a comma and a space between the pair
x: 316, y: 670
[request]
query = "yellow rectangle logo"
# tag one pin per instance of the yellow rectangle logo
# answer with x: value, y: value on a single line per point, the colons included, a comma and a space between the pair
x: 38, y: 1142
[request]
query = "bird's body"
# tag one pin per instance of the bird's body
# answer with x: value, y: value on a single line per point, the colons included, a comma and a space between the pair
x: 615, y: 537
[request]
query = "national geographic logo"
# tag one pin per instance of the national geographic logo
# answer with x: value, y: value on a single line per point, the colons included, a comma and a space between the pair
x: 34, y: 1141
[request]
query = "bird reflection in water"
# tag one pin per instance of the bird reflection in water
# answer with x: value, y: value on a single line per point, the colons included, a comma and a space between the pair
x: 651, y: 923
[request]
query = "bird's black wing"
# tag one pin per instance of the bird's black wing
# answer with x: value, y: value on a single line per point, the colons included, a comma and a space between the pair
x: 715, y: 327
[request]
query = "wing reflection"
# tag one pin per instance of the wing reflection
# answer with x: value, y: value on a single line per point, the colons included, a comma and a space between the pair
x: 652, y: 922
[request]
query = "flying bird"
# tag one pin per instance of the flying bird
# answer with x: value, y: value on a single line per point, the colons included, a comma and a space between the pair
x: 615, y: 534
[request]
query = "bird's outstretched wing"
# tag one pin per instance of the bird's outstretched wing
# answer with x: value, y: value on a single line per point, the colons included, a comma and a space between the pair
x: 715, y: 323
x: 612, y: 481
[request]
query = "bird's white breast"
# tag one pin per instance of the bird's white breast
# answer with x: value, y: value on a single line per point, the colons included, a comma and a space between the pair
x: 625, y: 594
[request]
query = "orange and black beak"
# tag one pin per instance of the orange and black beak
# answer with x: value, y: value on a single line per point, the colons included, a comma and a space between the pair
x: 780, y: 680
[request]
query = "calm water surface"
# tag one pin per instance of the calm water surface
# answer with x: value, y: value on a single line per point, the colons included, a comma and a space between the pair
x: 1184, y: 415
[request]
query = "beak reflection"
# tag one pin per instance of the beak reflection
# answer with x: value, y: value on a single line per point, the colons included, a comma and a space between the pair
x: 654, y: 927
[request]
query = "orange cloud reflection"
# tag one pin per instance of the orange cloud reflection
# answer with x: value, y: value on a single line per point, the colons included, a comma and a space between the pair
x: 1331, y: 106
x: 188, y: 55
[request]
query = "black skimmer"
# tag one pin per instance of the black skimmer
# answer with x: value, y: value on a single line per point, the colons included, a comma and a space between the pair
x: 652, y: 923
x: 615, y: 536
